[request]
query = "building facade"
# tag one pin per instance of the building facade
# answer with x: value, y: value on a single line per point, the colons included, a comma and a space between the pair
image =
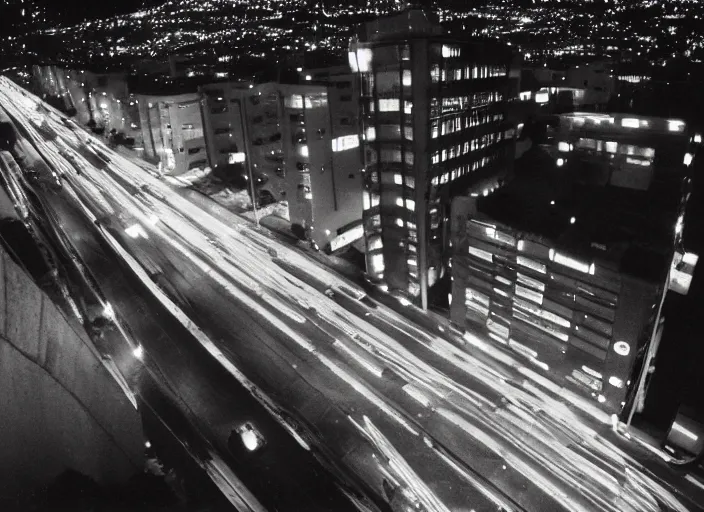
x: 569, y: 266
x: 300, y: 144
x: 172, y: 131
x: 433, y: 123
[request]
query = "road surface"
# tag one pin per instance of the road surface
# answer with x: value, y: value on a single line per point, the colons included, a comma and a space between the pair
x: 424, y: 418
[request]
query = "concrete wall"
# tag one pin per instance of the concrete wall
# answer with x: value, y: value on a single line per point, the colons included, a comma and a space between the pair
x: 59, y: 407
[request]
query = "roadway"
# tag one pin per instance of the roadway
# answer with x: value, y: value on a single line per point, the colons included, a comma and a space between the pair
x: 438, y: 420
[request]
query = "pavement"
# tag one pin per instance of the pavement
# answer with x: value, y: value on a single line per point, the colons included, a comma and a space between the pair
x: 419, y: 414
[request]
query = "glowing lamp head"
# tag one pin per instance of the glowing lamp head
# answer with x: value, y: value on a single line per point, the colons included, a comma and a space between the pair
x: 251, y: 439
x: 622, y: 348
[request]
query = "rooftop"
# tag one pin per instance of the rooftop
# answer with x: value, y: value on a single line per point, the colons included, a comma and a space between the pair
x: 603, y: 190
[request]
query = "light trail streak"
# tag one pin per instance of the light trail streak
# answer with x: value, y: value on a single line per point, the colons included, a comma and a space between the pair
x: 530, y: 427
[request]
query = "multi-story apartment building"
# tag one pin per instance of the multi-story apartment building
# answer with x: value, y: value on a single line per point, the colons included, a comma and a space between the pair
x: 172, y: 130
x: 223, y: 122
x: 101, y: 98
x: 295, y: 141
x: 433, y: 123
x: 343, y: 190
x: 568, y: 266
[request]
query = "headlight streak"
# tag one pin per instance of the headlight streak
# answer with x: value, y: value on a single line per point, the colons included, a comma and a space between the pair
x: 529, y: 415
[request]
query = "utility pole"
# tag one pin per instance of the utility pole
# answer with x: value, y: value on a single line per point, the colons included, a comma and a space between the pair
x: 247, y: 145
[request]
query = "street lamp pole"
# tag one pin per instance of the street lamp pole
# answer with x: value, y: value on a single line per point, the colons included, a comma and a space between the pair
x: 247, y: 146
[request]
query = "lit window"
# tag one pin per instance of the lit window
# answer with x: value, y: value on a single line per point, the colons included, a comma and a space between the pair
x: 375, y: 200
x: 407, y: 78
x: 408, y: 132
x: 352, y: 59
x: 376, y: 262
x: 389, y: 105
x: 408, y: 107
x: 398, y: 180
x: 570, y: 262
x: 542, y: 97
x: 294, y: 101
x: 364, y: 60
x: 236, y: 158
x: 560, y: 162
x: 688, y: 159
x: 611, y: 147
x: 366, y: 200
x: 345, y: 142
x: 304, y: 151
x: 371, y: 134
x: 399, y: 201
x: 531, y: 264
x: 399, y: 222
x: 563, y: 146
x: 675, y: 125
x: 481, y: 254
x: 410, y: 204
x: 375, y: 243
x: 435, y: 73
x: 434, y: 130
x: 450, y: 51
x: 630, y: 122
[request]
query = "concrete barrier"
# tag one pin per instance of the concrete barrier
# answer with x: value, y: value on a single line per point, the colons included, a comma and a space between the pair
x: 59, y: 406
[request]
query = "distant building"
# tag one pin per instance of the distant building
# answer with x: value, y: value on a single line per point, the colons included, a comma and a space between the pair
x: 172, y: 130
x: 584, y: 87
x: 568, y: 264
x: 301, y: 144
x: 434, y: 123
x: 101, y: 98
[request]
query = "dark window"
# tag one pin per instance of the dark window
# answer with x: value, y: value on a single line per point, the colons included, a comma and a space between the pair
x: 346, y: 97
x: 586, y: 83
x: 193, y: 151
x: 257, y: 119
x: 302, y: 167
x: 221, y: 131
x: 257, y: 142
x: 297, y: 118
x: 275, y: 138
x: 219, y: 110
x: 351, y: 176
x: 254, y: 100
x: 343, y: 85
x: 345, y: 121
x: 321, y: 133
